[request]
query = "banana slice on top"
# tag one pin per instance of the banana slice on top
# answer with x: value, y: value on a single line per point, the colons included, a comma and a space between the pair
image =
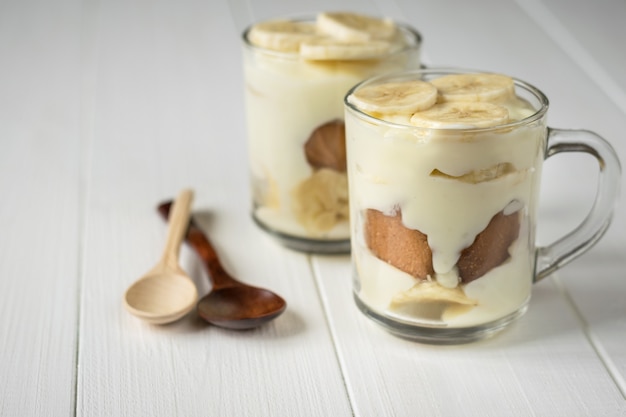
x: 461, y: 115
x: 282, y: 35
x: 355, y: 27
x: 403, y: 97
x: 329, y: 49
x: 474, y: 87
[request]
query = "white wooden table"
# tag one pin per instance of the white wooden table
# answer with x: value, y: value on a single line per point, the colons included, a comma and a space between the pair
x: 109, y: 107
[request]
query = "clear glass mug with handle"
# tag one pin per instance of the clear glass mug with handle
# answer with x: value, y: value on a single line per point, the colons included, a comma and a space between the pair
x: 444, y: 170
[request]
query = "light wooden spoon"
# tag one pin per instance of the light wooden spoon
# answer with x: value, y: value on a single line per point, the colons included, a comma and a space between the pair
x: 165, y: 294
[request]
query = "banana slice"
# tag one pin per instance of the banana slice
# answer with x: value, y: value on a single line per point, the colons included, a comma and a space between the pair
x: 403, y: 97
x: 432, y: 292
x: 281, y: 35
x: 461, y: 115
x: 355, y: 27
x: 480, y: 175
x: 321, y: 201
x: 327, y: 49
x: 474, y: 87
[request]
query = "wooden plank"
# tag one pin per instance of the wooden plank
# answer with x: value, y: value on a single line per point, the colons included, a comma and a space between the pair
x: 169, y: 114
x: 40, y: 218
x: 592, y: 34
x: 560, y: 359
x: 541, y: 366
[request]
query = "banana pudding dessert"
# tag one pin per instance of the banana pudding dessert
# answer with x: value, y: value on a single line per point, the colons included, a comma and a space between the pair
x: 297, y: 73
x: 443, y: 171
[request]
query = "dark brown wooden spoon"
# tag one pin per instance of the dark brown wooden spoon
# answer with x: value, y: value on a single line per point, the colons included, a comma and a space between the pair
x: 230, y: 303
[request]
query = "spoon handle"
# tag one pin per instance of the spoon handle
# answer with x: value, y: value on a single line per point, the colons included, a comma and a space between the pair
x: 179, y: 219
x: 200, y: 242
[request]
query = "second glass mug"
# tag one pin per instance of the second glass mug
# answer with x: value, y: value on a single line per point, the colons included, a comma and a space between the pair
x: 296, y: 145
x: 443, y: 217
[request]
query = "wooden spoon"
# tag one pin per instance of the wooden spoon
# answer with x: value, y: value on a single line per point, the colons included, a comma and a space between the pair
x: 230, y: 304
x: 165, y: 294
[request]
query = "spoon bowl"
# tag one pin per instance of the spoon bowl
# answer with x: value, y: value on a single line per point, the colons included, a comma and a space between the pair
x: 240, y: 307
x: 230, y: 304
x: 166, y: 294
x: 161, y: 298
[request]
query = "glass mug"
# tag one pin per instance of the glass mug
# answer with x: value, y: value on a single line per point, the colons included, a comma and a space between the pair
x: 444, y: 169
x: 296, y: 136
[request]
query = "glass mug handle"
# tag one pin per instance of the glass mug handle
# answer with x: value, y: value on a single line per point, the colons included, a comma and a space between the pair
x: 588, y: 233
